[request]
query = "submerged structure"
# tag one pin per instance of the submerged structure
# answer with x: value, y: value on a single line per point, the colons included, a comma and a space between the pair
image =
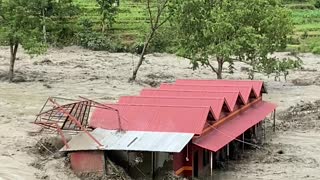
x: 188, y: 127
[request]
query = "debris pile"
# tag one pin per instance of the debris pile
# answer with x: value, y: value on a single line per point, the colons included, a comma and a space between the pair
x: 301, y: 116
x: 114, y: 172
x: 49, y: 145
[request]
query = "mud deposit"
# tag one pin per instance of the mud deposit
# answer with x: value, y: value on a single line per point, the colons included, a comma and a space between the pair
x: 73, y: 72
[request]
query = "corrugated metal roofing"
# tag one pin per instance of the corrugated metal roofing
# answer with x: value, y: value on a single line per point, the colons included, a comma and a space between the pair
x: 215, y: 103
x: 130, y: 141
x: 152, y: 118
x: 245, y: 91
x: 232, y: 97
x: 258, y: 86
x: 232, y: 128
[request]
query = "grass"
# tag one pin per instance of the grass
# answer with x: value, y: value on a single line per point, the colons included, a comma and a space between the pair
x: 132, y: 22
x: 306, y: 31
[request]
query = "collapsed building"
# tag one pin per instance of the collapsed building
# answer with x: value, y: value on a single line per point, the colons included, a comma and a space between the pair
x: 188, y: 127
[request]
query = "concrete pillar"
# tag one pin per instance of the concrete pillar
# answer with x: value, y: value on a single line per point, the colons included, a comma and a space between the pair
x: 228, y: 151
x: 274, y: 121
x: 211, y: 163
x: 242, y: 142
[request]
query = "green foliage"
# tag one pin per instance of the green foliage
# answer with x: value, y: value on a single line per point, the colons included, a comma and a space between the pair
x: 164, y: 40
x: 20, y: 24
x: 60, y: 19
x: 98, y: 41
x: 108, y: 10
x: 301, y: 6
x: 297, y: 1
x: 279, y: 67
x: 247, y: 30
x: 317, y: 4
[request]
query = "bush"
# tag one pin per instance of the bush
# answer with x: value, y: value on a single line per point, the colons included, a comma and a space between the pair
x: 301, y: 6
x: 294, y: 40
x: 94, y: 40
x: 317, y: 4
x: 316, y: 50
x: 297, y: 1
x: 164, y: 40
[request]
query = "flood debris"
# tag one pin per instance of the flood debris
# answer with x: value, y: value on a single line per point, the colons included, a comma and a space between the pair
x: 49, y: 145
x: 304, y: 115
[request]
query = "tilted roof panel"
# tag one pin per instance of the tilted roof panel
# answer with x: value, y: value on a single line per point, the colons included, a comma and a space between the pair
x: 130, y: 141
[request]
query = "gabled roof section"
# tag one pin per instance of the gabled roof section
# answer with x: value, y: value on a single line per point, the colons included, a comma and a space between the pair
x: 232, y: 97
x: 184, y: 119
x: 245, y: 91
x: 258, y: 86
x: 231, y: 129
x: 216, y: 104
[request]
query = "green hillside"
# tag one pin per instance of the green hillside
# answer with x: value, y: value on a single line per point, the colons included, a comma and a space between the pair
x: 131, y: 22
x: 131, y: 19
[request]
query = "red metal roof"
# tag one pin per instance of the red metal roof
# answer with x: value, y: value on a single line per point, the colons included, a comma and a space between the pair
x: 184, y: 119
x: 232, y: 128
x: 245, y: 91
x: 215, y: 103
x: 258, y: 86
x: 232, y: 97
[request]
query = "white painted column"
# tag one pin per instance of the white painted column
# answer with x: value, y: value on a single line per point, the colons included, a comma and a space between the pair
x: 211, y: 163
x: 242, y: 142
x: 228, y: 151
x: 274, y: 121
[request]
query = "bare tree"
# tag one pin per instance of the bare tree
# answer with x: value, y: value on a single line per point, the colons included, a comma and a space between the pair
x: 156, y: 19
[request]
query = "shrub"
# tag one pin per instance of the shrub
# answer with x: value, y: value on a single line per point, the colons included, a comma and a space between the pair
x: 317, y: 4
x: 164, y: 40
x: 301, y: 6
x: 304, y: 35
x: 294, y: 40
x: 316, y: 50
x: 91, y: 39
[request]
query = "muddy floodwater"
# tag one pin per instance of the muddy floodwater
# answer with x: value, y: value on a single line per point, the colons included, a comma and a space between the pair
x: 102, y: 76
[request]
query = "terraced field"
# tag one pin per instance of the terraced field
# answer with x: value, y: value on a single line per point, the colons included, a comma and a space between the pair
x: 131, y: 22
x: 306, y: 36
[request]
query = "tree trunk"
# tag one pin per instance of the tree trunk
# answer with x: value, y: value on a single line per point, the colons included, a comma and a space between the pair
x: 103, y: 23
x: 220, y: 65
x: 143, y: 52
x: 44, y: 28
x: 13, y: 53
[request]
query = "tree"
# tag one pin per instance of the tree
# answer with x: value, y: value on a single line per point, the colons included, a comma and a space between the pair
x: 156, y: 19
x: 20, y: 25
x: 59, y: 19
x: 227, y: 30
x: 108, y: 11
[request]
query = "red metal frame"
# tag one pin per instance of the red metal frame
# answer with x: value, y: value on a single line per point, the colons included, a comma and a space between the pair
x: 70, y: 116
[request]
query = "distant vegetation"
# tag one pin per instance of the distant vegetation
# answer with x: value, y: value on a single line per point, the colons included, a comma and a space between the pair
x: 125, y: 26
x: 306, y: 18
x: 131, y: 23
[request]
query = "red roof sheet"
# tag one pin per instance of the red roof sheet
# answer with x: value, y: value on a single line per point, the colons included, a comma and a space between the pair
x: 244, y: 90
x: 215, y: 103
x: 184, y: 119
x: 232, y: 97
x: 258, y: 86
x: 231, y: 129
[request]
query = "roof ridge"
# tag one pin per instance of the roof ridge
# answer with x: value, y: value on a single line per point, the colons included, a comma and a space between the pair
x: 155, y: 105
